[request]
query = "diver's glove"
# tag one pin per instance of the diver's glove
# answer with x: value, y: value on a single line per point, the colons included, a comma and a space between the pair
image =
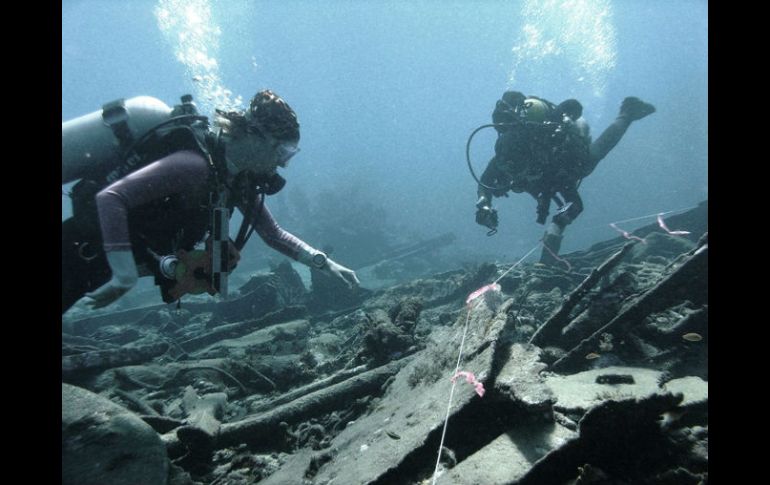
x: 487, y: 217
x: 124, y: 277
x: 635, y: 109
x: 571, y: 108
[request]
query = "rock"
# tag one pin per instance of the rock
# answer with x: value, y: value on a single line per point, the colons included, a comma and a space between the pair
x: 283, y: 370
x: 580, y: 392
x: 659, y: 245
x: 277, y: 339
x: 439, y: 289
x: 330, y: 293
x: 625, y: 440
x: 106, y: 443
x: 520, y: 380
x: 117, y: 335
x: 509, y: 456
x: 263, y: 294
x: 203, y: 419
x: 405, y: 314
x: 694, y: 389
x: 414, y: 407
x: 383, y: 340
x: 326, y: 343
x: 324, y: 347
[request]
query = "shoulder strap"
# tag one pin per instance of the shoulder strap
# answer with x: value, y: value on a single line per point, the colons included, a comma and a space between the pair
x: 115, y: 116
x: 135, y: 153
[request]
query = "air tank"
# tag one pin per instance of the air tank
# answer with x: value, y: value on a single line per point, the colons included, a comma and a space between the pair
x: 88, y: 141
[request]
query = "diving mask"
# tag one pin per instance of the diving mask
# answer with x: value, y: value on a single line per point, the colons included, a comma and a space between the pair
x: 284, y: 151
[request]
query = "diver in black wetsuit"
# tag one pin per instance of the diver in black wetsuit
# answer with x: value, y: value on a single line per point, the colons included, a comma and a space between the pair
x: 546, y: 150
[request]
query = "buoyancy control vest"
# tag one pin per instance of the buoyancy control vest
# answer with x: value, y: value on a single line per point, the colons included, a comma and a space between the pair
x: 104, y: 146
x: 537, y: 143
x: 126, y: 135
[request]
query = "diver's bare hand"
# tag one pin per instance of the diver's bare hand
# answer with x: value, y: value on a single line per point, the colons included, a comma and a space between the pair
x: 345, y: 274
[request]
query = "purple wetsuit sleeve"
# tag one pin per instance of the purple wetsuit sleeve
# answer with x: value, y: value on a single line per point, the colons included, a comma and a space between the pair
x: 276, y: 237
x: 184, y: 172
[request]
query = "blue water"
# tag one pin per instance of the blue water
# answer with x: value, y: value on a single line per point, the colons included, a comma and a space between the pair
x: 387, y: 93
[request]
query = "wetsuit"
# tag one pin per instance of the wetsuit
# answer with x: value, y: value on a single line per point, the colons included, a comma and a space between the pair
x: 521, y: 165
x: 161, y: 207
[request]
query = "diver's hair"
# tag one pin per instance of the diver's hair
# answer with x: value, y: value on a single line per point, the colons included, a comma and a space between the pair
x: 231, y: 122
x: 267, y: 113
x: 274, y: 115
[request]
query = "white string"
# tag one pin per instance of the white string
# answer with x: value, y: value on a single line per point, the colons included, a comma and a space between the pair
x: 465, y: 332
x: 451, y: 393
x: 457, y: 365
x: 649, y: 216
x: 517, y: 263
x: 653, y: 215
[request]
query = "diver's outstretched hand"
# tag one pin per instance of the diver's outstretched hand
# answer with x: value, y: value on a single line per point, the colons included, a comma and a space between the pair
x: 345, y: 274
x: 635, y: 109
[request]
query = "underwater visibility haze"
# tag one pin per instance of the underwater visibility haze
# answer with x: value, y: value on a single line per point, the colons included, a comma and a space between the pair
x: 387, y: 93
x: 459, y: 358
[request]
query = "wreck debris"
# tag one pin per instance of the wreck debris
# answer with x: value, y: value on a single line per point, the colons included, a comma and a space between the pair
x: 553, y: 326
x: 103, y: 359
x: 654, y: 299
x: 365, y: 425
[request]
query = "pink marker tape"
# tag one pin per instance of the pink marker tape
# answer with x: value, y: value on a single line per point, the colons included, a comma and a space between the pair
x: 673, y: 233
x: 626, y: 234
x: 481, y: 291
x: 471, y: 379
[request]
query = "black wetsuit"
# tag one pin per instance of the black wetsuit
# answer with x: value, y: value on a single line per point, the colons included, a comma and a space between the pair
x: 535, y: 159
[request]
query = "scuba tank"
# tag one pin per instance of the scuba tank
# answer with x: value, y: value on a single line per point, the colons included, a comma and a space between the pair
x: 102, y: 147
x: 95, y: 143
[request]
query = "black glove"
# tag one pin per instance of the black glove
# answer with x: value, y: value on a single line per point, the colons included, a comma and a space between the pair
x: 635, y: 109
x: 487, y: 217
x: 570, y: 107
x: 513, y: 98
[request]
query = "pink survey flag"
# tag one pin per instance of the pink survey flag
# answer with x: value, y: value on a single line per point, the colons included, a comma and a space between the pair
x: 481, y: 291
x: 471, y: 379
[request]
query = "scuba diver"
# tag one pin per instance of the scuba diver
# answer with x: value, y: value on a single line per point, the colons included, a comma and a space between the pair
x: 154, y: 182
x: 546, y: 150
